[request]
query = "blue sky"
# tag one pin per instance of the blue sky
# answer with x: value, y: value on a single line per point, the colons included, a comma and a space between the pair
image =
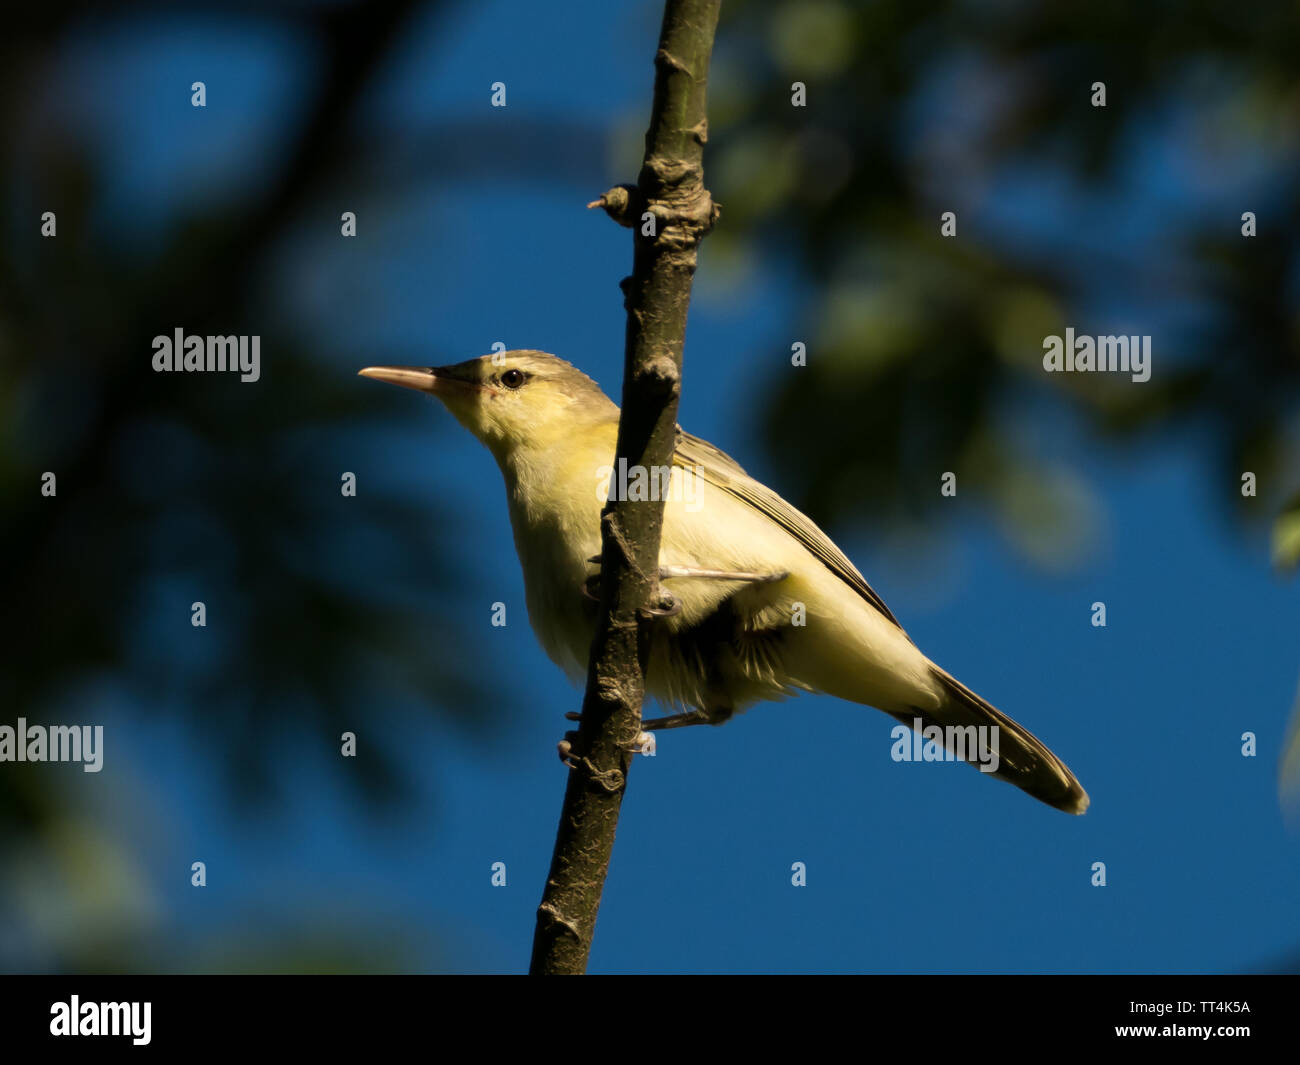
x: 911, y: 868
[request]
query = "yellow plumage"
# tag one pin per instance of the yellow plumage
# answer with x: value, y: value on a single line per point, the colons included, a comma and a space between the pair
x: 812, y: 623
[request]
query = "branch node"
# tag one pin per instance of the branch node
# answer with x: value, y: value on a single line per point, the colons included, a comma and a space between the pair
x: 665, y: 58
x: 622, y: 203
x: 661, y: 377
x: 550, y: 917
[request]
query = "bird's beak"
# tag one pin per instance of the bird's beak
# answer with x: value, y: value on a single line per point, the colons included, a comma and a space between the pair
x: 421, y: 378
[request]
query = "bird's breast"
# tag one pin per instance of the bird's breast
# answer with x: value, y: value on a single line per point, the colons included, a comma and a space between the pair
x: 556, y: 525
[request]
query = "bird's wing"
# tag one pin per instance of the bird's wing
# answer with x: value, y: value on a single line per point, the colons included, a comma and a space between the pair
x: 724, y: 472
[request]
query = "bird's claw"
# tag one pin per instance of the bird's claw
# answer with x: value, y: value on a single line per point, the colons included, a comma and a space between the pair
x: 645, y: 744
x: 565, y: 749
x: 669, y: 606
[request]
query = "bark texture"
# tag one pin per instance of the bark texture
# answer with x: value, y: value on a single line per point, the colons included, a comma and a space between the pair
x: 669, y: 211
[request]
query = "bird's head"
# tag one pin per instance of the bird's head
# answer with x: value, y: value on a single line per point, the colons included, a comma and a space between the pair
x: 513, y: 399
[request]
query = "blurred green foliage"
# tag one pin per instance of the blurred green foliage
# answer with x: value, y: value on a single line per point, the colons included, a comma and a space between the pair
x: 917, y: 344
x: 171, y: 491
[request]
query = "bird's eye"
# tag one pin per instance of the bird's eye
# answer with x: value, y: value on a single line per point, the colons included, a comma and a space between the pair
x: 512, y: 378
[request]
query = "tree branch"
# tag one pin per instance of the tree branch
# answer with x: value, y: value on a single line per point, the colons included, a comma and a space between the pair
x: 670, y: 188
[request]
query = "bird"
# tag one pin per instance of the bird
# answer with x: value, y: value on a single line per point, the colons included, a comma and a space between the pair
x: 764, y: 605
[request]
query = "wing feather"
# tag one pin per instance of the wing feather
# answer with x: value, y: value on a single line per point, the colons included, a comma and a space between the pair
x: 724, y: 472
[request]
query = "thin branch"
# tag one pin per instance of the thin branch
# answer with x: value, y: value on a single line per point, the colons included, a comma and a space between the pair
x: 670, y: 188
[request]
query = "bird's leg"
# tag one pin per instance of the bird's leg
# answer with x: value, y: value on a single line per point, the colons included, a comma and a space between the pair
x: 591, y: 586
x: 666, y: 607
x: 645, y: 741
x: 715, y: 715
x: 671, y: 572
x: 691, y: 717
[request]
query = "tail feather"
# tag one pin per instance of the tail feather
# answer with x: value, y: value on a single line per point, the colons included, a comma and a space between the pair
x: 1023, y: 759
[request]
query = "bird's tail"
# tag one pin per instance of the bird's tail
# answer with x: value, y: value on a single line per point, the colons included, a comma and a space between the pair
x: 1023, y: 760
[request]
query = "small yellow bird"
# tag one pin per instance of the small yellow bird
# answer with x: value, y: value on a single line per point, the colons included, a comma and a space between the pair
x: 767, y: 605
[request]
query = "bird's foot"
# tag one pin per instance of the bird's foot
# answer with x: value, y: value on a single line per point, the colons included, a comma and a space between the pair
x: 565, y: 749
x: 691, y: 717
x: 645, y: 744
x: 668, y: 606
